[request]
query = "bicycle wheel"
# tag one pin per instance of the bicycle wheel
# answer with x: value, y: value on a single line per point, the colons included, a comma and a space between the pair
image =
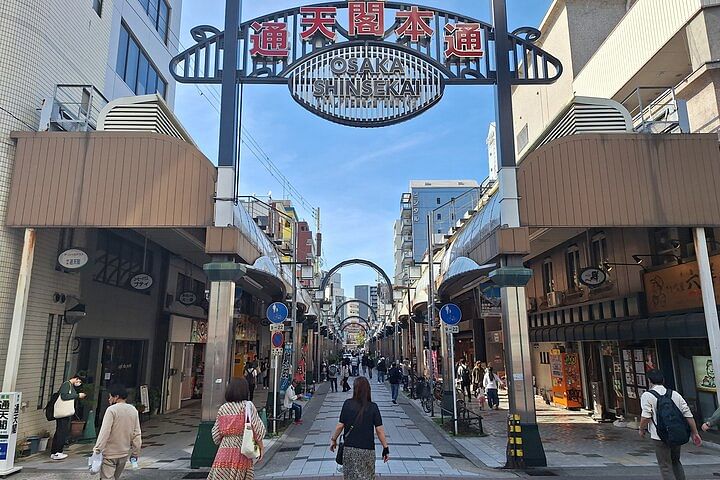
x: 427, y: 404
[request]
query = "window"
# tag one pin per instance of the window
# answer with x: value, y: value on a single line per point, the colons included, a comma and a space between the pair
x: 97, y: 6
x: 548, y: 282
x: 159, y: 13
x: 119, y: 260
x: 573, y: 267
x: 437, y: 200
x: 135, y: 68
x: 598, y: 250
x: 439, y: 216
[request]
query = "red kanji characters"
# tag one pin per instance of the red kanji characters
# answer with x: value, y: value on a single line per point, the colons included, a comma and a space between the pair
x: 415, y: 26
x: 463, y: 40
x: 320, y: 20
x: 366, y: 18
x: 270, y: 40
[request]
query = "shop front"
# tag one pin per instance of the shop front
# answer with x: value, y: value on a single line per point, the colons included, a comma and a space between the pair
x: 185, y: 366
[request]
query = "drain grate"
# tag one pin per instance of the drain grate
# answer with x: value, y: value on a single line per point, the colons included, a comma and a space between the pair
x: 289, y: 449
x: 540, y: 473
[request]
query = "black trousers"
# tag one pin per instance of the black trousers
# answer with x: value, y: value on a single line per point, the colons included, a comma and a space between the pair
x: 333, y: 384
x: 345, y: 384
x: 62, y: 431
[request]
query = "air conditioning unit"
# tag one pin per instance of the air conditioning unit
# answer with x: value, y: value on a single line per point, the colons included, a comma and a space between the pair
x: 554, y: 299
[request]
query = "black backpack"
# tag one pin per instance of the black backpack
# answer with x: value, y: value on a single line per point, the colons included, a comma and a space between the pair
x: 50, y: 407
x: 250, y: 378
x: 466, y: 375
x: 672, y: 426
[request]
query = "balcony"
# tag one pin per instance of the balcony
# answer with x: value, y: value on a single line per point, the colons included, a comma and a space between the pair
x: 657, y: 110
x: 407, y: 241
x: 406, y: 227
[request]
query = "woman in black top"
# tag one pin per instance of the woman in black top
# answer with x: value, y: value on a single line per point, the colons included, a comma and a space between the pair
x: 360, y: 420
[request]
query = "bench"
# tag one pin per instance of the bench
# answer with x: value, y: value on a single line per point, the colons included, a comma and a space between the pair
x: 284, y: 416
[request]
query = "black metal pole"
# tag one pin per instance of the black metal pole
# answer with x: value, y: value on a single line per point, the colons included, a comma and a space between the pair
x: 230, y: 98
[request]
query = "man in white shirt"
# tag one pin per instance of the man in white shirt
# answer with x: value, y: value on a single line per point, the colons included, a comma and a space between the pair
x: 668, y: 456
x: 290, y: 404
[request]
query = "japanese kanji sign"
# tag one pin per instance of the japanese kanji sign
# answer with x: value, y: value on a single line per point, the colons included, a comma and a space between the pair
x: 365, y: 63
x: 9, y: 417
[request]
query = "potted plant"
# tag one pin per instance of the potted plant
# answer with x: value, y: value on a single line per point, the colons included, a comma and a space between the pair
x: 140, y: 407
x: 155, y: 400
x: 44, y: 439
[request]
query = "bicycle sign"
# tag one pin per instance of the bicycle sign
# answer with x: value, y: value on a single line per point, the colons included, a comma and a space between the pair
x: 450, y: 314
x: 277, y: 312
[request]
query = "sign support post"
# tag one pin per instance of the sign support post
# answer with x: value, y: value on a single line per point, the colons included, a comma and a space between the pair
x: 451, y: 315
x: 452, y: 376
x: 275, y: 392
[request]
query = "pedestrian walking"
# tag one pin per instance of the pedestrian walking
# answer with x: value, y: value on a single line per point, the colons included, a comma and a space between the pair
x: 364, y: 364
x: 332, y: 377
x: 266, y: 374
x: 491, y: 382
x: 360, y: 421
x: 354, y: 365
x: 228, y: 431
x: 406, y: 374
x: 476, y: 378
x: 323, y: 371
x: 381, y: 370
x: 251, y: 377
x: 63, y: 407
x: 290, y: 401
x: 713, y: 421
x: 119, y: 438
x: 464, y: 376
x: 395, y: 377
x: 371, y: 365
x: 666, y: 415
x: 345, y: 376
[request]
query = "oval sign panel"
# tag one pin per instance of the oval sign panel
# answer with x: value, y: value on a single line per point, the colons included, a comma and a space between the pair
x: 366, y: 84
x: 73, y: 259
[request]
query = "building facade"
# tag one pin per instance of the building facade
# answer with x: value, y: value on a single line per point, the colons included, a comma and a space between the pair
x: 48, y: 86
x: 369, y: 295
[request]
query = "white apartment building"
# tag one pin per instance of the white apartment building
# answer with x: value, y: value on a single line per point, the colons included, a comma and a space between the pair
x: 95, y: 49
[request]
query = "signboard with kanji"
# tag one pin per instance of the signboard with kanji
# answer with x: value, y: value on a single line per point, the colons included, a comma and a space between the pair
x: 365, y: 63
x: 9, y: 416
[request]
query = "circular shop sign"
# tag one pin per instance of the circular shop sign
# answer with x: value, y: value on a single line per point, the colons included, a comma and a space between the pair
x: 277, y: 340
x: 73, y: 259
x: 277, y: 312
x: 188, y: 298
x: 450, y: 314
x: 141, y: 281
x: 366, y: 84
x: 593, y: 277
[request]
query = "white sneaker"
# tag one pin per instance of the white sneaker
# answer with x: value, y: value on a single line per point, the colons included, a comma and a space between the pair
x: 58, y: 456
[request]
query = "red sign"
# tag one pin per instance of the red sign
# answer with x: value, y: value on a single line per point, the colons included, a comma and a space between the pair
x: 415, y: 26
x: 270, y: 40
x: 278, y: 339
x: 318, y: 20
x: 366, y: 18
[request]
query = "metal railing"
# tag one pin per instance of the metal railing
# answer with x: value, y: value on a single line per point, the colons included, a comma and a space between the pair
x: 657, y: 110
x: 74, y: 108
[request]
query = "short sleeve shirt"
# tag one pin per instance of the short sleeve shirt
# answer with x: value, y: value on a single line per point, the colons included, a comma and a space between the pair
x: 648, y: 403
x: 362, y: 434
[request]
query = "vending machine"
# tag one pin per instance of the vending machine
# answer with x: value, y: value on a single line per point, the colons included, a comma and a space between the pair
x: 567, y: 386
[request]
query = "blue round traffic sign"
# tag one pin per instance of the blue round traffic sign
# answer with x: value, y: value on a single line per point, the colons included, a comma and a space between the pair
x: 277, y: 312
x: 450, y: 314
x: 277, y: 340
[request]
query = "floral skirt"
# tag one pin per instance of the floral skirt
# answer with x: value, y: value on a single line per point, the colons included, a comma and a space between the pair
x: 358, y: 464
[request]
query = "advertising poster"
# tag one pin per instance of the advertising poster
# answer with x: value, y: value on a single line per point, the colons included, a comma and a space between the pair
x: 704, y: 374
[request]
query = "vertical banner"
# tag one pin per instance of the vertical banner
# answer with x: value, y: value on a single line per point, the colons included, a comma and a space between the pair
x: 9, y: 415
x: 286, y: 368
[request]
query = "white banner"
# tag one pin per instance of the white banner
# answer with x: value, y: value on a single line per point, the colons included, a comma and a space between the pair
x: 9, y: 416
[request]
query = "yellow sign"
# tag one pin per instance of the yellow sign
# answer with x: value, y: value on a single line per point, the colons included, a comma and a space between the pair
x: 678, y: 287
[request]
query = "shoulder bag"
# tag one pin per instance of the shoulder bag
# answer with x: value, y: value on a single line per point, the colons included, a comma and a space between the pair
x: 249, y: 448
x: 63, y: 408
x: 341, y: 445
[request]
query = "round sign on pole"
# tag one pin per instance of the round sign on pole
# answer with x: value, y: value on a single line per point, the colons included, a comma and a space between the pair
x: 450, y: 314
x: 593, y: 277
x: 141, y: 281
x: 277, y: 312
x: 277, y: 340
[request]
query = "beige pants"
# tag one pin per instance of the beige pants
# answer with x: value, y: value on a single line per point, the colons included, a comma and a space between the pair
x: 112, y: 468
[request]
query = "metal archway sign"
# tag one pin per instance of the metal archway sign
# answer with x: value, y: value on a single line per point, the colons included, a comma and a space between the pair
x: 361, y: 302
x: 363, y: 63
x: 358, y: 261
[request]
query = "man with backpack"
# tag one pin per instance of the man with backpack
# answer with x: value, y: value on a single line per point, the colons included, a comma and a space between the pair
x: 666, y: 415
x: 332, y: 376
x: 251, y: 377
x: 464, y: 377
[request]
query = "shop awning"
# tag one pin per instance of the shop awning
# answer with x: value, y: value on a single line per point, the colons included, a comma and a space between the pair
x: 464, y: 274
x: 691, y: 325
x: 263, y: 280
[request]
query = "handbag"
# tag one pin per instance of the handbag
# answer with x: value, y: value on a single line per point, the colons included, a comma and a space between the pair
x: 63, y: 408
x: 249, y: 448
x: 341, y: 446
x: 95, y: 462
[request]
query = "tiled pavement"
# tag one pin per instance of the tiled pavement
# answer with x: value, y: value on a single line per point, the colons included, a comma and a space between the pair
x: 573, y: 439
x: 412, y: 453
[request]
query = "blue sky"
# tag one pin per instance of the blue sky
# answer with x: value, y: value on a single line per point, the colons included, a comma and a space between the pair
x: 355, y: 176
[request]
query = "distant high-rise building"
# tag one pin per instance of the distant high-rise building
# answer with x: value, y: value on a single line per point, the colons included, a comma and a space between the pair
x: 368, y: 294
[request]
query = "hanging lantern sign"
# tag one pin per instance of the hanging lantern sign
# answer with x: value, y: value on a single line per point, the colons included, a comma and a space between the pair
x: 141, y: 281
